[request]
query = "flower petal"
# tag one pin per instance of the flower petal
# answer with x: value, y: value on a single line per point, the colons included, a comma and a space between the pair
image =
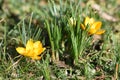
x: 91, y: 21
x: 82, y: 26
x: 91, y: 31
x: 87, y: 19
x: 37, y: 44
x: 98, y: 25
x: 100, y: 32
x: 36, y: 57
x: 21, y: 50
x: 38, y: 48
x: 29, y: 53
x: 29, y: 45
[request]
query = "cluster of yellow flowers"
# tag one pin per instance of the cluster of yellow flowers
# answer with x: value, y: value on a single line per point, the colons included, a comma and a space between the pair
x: 35, y: 49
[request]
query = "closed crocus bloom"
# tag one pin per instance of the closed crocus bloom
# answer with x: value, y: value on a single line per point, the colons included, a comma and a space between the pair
x: 95, y: 27
x: 32, y: 50
x: 72, y: 21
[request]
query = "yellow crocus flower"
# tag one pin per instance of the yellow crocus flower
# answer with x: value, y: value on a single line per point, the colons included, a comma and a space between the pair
x: 72, y: 21
x: 32, y: 50
x: 94, y: 26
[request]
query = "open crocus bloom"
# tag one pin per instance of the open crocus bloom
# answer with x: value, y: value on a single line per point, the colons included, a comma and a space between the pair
x: 32, y: 50
x: 94, y: 26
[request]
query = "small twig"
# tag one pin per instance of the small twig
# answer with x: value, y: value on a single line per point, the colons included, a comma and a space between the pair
x: 1, y: 20
x: 116, y: 71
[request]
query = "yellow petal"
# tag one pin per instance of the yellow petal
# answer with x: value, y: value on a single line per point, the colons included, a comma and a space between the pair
x: 36, y: 57
x: 38, y: 51
x: 43, y: 49
x: 100, y: 32
x: 37, y: 44
x: 98, y: 25
x: 91, y: 31
x: 82, y: 26
x: 21, y: 50
x: 29, y: 53
x: 91, y: 21
x: 38, y: 48
x: 87, y: 19
x: 29, y: 45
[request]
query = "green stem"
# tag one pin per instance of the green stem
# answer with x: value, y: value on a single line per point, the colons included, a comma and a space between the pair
x: 51, y: 41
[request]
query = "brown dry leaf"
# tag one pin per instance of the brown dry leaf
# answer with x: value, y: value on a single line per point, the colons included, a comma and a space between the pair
x: 61, y: 64
x: 2, y: 20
